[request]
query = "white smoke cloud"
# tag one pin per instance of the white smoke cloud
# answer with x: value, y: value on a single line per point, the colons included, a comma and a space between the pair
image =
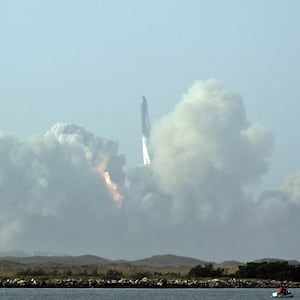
x: 52, y: 193
x: 208, y: 160
x: 206, y: 152
x: 195, y: 199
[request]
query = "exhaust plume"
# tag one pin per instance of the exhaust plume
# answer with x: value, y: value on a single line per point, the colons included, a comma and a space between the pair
x: 206, y: 153
x: 51, y: 188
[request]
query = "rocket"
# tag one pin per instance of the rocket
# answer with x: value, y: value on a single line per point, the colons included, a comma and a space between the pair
x: 145, y: 132
x: 145, y: 118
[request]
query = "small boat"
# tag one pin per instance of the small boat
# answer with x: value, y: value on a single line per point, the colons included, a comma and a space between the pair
x: 285, y: 294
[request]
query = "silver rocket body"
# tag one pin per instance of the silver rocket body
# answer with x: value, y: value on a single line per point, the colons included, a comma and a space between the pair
x: 145, y: 132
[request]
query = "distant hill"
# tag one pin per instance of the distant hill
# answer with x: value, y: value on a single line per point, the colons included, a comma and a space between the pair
x: 230, y: 263
x: 168, y: 260
x: 158, y: 261
x: 56, y: 260
x: 22, y: 259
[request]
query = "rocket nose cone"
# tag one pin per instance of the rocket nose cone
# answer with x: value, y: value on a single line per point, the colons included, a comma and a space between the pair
x: 144, y: 102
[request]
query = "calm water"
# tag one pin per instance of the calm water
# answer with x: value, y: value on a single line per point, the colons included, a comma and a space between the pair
x: 133, y: 294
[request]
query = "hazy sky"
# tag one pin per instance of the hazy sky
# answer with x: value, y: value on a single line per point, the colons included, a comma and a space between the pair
x: 89, y: 63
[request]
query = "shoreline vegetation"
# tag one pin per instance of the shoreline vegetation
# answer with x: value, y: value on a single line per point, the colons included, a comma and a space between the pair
x: 165, y: 271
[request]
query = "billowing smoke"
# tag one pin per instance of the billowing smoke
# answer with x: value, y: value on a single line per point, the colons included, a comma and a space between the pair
x: 208, y: 158
x: 207, y: 154
x: 197, y: 197
x: 51, y: 187
x: 66, y: 192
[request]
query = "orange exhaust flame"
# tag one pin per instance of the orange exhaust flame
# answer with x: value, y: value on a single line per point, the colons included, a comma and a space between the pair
x: 112, y: 186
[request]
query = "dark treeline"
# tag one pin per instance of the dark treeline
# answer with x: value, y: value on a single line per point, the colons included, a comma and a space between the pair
x: 205, y: 271
x: 263, y: 270
x: 279, y: 270
x: 270, y: 270
x: 85, y: 272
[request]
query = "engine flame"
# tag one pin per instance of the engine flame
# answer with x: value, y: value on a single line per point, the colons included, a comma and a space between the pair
x: 112, y: 186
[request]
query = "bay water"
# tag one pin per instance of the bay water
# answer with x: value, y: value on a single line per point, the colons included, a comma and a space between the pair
x: 134, y: 294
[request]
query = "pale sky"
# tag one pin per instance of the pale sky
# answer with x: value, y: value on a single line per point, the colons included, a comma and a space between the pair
x: 90, y: 62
